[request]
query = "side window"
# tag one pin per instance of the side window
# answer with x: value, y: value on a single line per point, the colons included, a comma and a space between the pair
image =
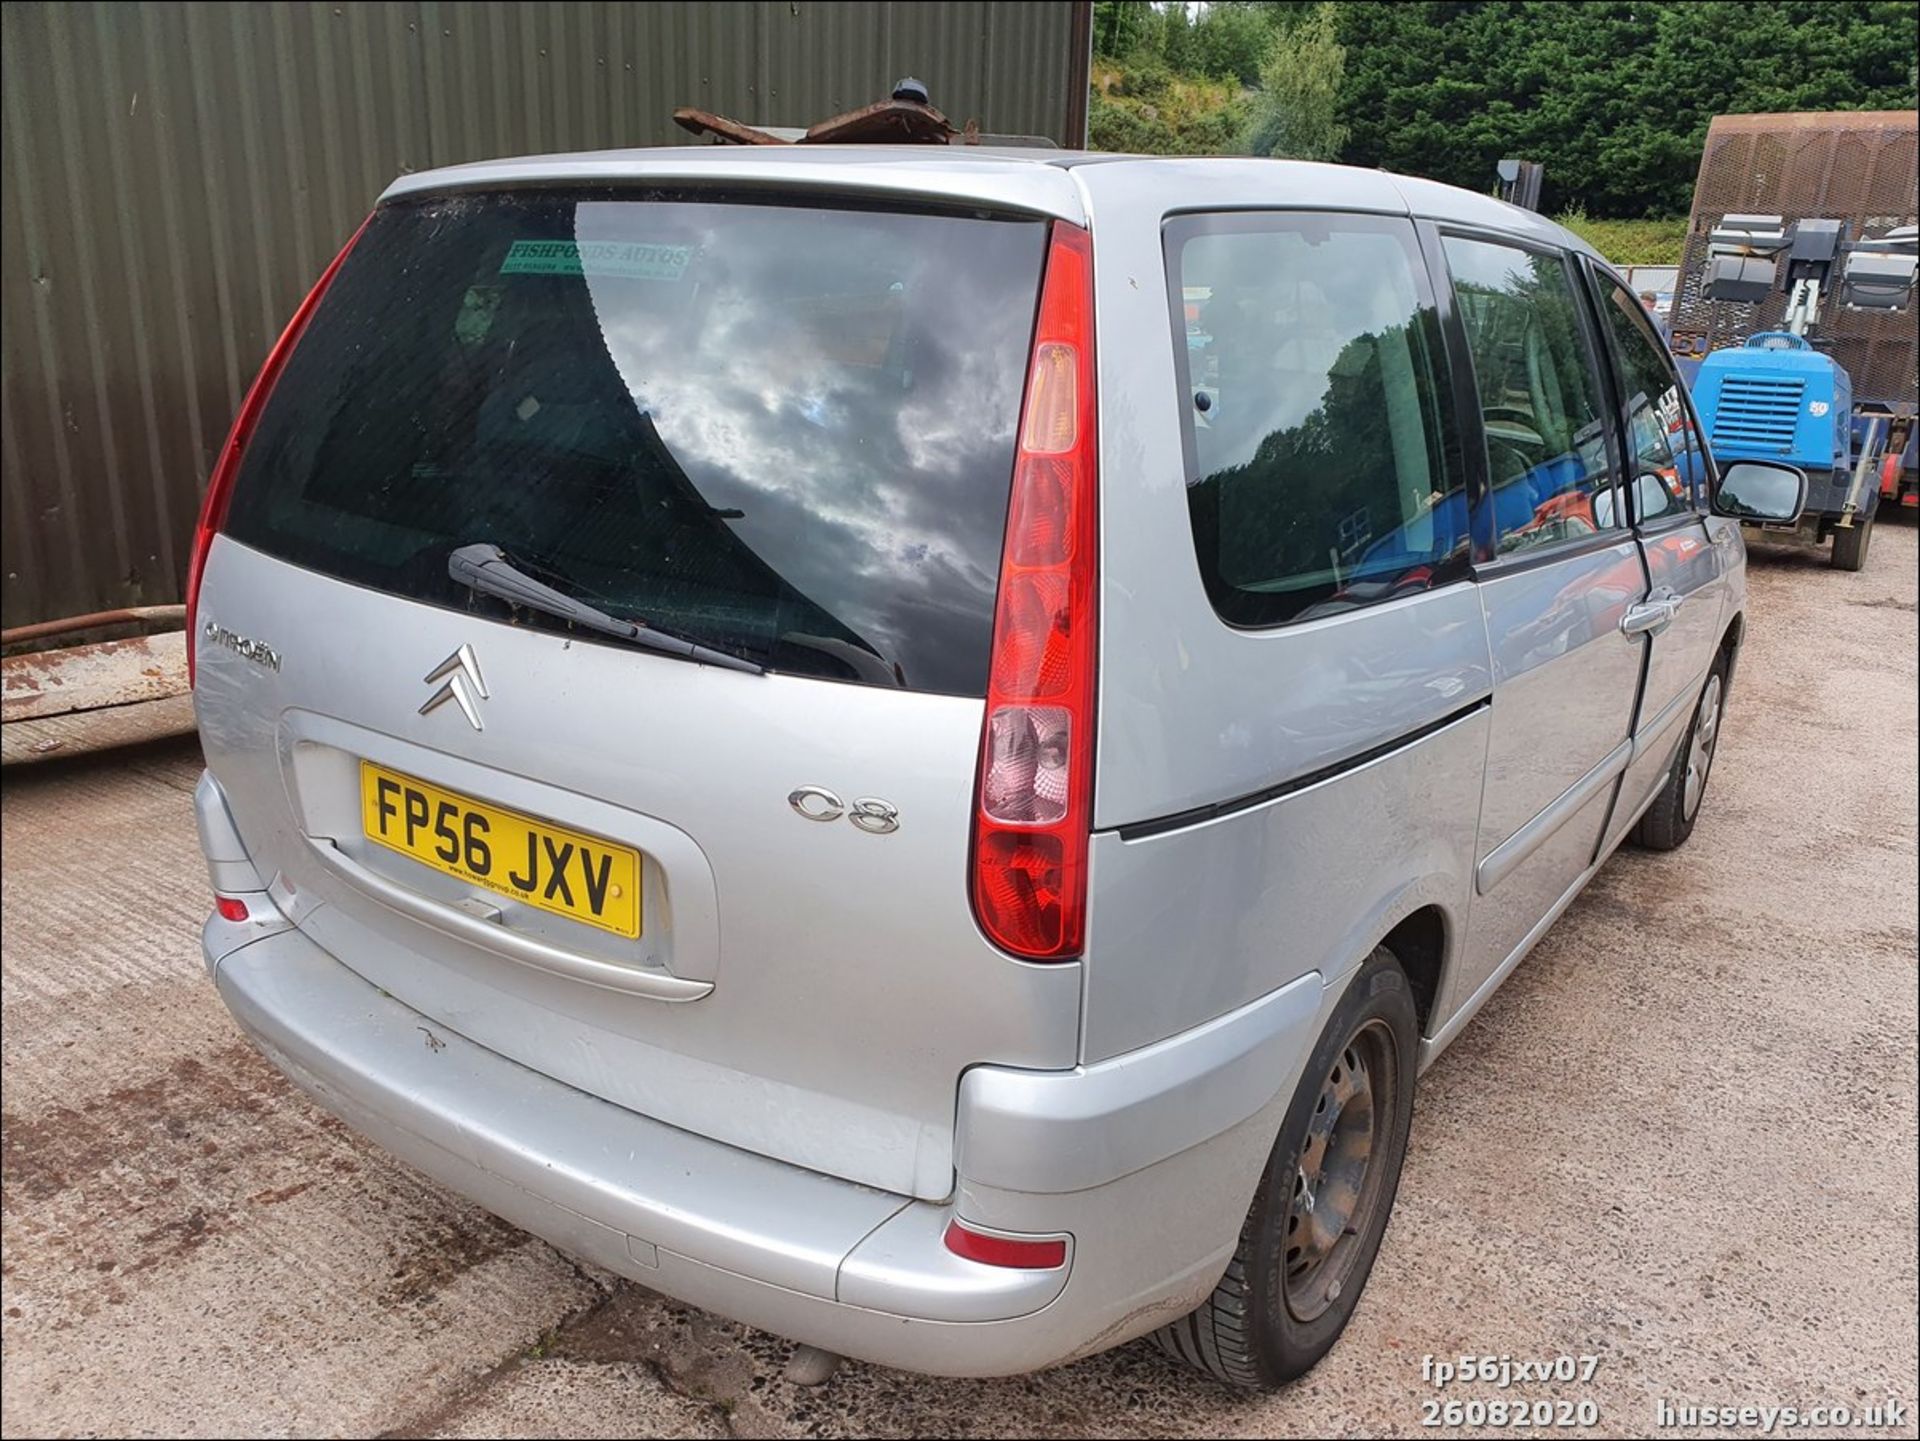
x: 1322, y: 472
x: 1665, y: 457
x: 1548, y: 472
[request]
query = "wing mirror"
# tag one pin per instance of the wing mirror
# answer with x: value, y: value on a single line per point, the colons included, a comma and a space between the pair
x: 1761, y: 490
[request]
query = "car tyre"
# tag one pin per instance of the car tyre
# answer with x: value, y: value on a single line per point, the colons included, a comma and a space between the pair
x: 1850, y: 545
x: 1315, y: 1226
x: 1669, y: 820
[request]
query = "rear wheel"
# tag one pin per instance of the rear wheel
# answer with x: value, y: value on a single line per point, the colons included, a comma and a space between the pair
x: 1669, y: 821
x: 1850, y: 545
x: 1310, y: 1238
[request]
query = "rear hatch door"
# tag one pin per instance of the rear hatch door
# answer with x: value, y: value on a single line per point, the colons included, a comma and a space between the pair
x: 779, y: 426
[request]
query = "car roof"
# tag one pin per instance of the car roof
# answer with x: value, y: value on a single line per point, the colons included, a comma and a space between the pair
x: 1062, y: 183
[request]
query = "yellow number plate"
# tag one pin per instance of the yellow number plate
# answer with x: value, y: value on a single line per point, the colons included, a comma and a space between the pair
x: 562, y: 871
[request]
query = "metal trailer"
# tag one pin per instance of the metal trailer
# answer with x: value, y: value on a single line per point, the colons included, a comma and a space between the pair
x: 1856, y: 167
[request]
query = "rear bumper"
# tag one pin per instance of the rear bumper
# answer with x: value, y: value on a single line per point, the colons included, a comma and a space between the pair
x: 843, y: 1266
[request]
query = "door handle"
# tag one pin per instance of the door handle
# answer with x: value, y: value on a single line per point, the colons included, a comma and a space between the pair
x: 1652, y: 615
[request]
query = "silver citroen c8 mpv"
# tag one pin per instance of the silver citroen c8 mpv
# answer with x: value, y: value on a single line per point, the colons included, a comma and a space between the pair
x: 916, y: 746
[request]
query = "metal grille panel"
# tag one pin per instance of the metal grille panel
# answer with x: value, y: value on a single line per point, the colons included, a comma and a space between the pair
x: 1757, y: 412
x: 1860, y: 167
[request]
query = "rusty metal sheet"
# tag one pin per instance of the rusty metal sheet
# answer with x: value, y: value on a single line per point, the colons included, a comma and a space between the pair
x: 83, y: 732
x: 885, y: 122
x: 93, y: 677
x: 720, y: 127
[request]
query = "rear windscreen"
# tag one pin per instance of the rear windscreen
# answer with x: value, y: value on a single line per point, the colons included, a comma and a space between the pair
x: 785, y: 432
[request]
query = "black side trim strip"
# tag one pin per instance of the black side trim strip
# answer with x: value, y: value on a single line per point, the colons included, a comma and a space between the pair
x: 1179, y: 820
x: 1516, y: 561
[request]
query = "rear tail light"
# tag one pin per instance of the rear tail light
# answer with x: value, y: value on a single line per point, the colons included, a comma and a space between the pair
x: 231, y: 908
x: 1034, y: 807
x: 1022, y: 1253
x: 213, y: 509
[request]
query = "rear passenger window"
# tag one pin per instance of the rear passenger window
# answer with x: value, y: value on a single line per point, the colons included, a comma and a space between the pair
x: 1667, y: 461
x: 1322, y: 473
x: 1548, y: 472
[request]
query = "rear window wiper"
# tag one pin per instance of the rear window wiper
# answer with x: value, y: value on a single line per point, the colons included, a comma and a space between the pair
x: 486, y: 569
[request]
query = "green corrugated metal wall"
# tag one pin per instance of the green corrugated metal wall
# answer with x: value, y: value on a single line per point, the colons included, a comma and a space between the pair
x: 173, y: 177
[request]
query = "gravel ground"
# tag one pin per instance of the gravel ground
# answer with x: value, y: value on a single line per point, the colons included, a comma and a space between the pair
x: 1681, y: 1140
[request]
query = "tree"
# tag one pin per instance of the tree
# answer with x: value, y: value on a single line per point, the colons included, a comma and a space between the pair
x: 1122, y: 26
x: 1612, y: 97
x: 1230, y: 40
x: 1221, y: 40
x: 1296, y: 114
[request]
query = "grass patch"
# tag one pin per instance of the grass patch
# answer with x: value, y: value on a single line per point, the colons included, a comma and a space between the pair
x: 1631, y: 242
x: 1144, y: 108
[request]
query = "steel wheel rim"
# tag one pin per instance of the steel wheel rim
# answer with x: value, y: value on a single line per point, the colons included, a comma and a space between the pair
x: 1341, y: 1173
x: 1706, y: 730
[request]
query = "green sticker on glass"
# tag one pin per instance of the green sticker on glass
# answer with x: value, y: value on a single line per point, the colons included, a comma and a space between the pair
x: 477, y: 308
x: 625, y: 259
